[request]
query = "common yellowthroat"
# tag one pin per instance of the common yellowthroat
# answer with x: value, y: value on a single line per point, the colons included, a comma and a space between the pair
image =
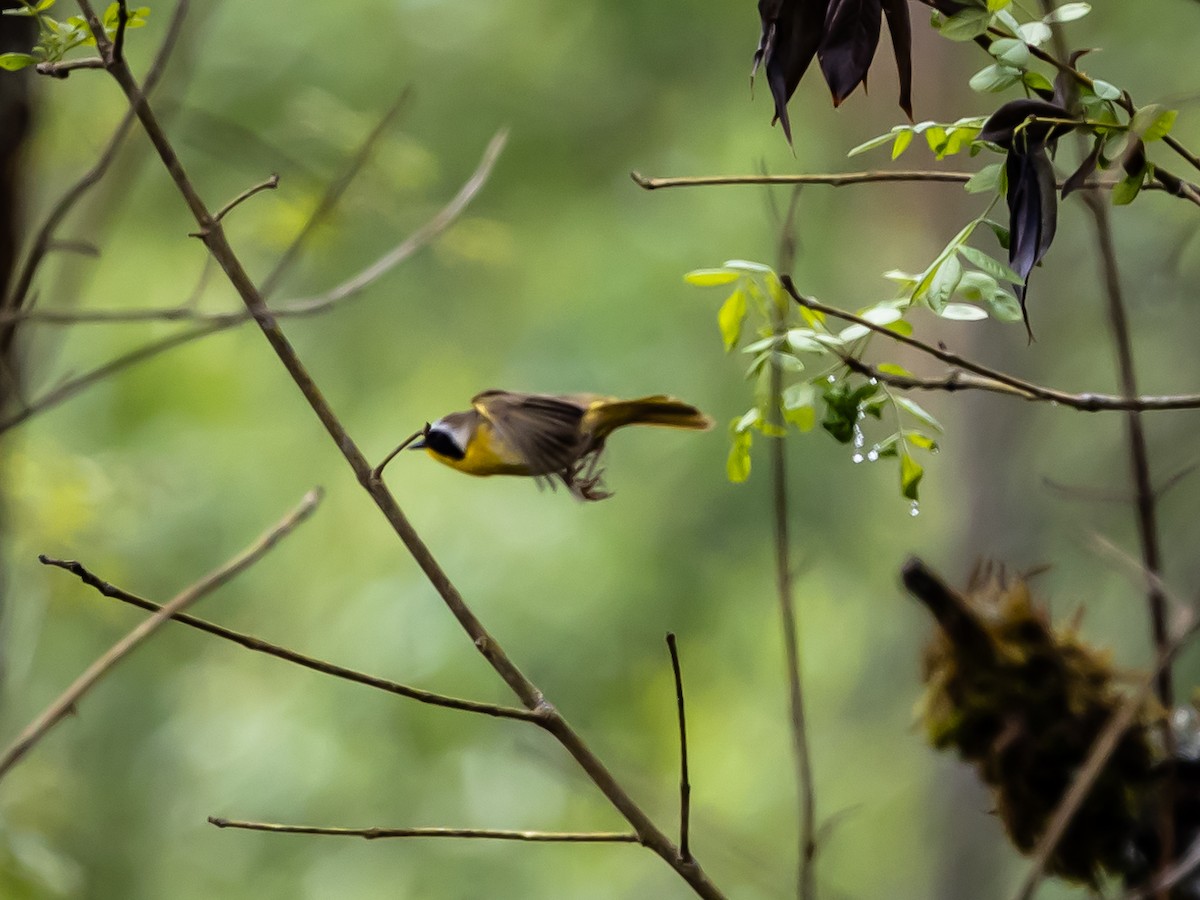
x: 546, y: 436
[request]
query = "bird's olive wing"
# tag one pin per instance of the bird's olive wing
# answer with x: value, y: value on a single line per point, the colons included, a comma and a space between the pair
x: 544, y: 429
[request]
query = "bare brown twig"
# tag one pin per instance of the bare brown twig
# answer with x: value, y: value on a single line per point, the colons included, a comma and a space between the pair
x: 840, y: 179
x: 785, y: 592
x: 550, y: 719
x: 267, y: 184
x: 258, y: 645
x: 556, y: 837
x: 685, y: 787
x: 67, y: 701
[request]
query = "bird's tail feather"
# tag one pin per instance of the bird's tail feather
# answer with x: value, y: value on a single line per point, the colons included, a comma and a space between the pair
x: 608, y: 415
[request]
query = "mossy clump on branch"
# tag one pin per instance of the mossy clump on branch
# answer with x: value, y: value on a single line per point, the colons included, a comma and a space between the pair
x: 1023, y: 701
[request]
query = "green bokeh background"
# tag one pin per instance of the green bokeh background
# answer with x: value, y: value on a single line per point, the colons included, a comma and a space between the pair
x: 562, y: 276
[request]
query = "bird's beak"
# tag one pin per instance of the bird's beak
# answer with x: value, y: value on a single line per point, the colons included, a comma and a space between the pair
x: 419, y: 443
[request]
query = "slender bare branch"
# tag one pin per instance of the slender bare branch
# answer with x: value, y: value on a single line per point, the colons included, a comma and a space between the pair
x: 830, y: 178
x: 56, y: 711
x: 528, y: 693
x: 1164, y: 183
x: 957, y: 380
x: 418, y: 239
x: 685, y: 787
x: 789, y: 623
x: 258, y: 645
x: 334, y: 191
x: 267, y: 184
x: 557, y: 837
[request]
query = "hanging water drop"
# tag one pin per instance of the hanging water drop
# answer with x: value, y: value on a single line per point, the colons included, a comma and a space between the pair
x: 914, y: 508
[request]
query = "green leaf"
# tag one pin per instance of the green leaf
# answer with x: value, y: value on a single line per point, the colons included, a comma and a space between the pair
x: 997, y: 5
x: 1037, y: 81
x: 14, y: 61
x: 1001, y: 231
x: 803, y: 417
x: 915, y: 409
x: 1003, y: 306
x: 730, y: 317
x: 1106, y: 91
x: 1010, y: 51
x: 798, y: 395
x: 994, y: 78
x: 802, y: 340
x: 910, y: 476
x: 746, y: 421
x: 872, y: 144
x: 853, y: 332
x: 903, y: 139
x: 893, y: 369
x: 1068, y: 12
x: 922, y: 440
x: 986, y: 180
x: 746, y: 265
x: 1153, y: 122
x: 710, y: 277
x: 962, y: 312
x: 993, y: 267
x: 1125, y: 190
x: 937, y: 137
x: 943, y: 284
x: 737, y: 465
x: 1034, y: 33
x: 881, y: 315
x: 965, y: 25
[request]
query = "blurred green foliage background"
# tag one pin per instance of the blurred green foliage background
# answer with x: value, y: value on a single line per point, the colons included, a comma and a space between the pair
x: 562, y: 276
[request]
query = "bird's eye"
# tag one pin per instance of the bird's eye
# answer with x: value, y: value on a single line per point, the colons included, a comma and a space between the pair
x: 443, y: 444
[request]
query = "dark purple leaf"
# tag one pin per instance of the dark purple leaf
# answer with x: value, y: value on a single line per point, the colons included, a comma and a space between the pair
x: 851, y: 36
x: 1134, y: 159
x: 1032, y: 211
x: 1079, y: 177
x: 791, y: 33
x: 901, y: 31
x: 1006, y: 126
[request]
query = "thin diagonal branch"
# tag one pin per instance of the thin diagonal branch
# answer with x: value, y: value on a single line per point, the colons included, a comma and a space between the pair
x: 957, y: 380
x: 557, y: 837
x: 334, y: 191
x: 551, y: 720
x: 216, y: 322
x: 56, y: 711
x: 258, y: 645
